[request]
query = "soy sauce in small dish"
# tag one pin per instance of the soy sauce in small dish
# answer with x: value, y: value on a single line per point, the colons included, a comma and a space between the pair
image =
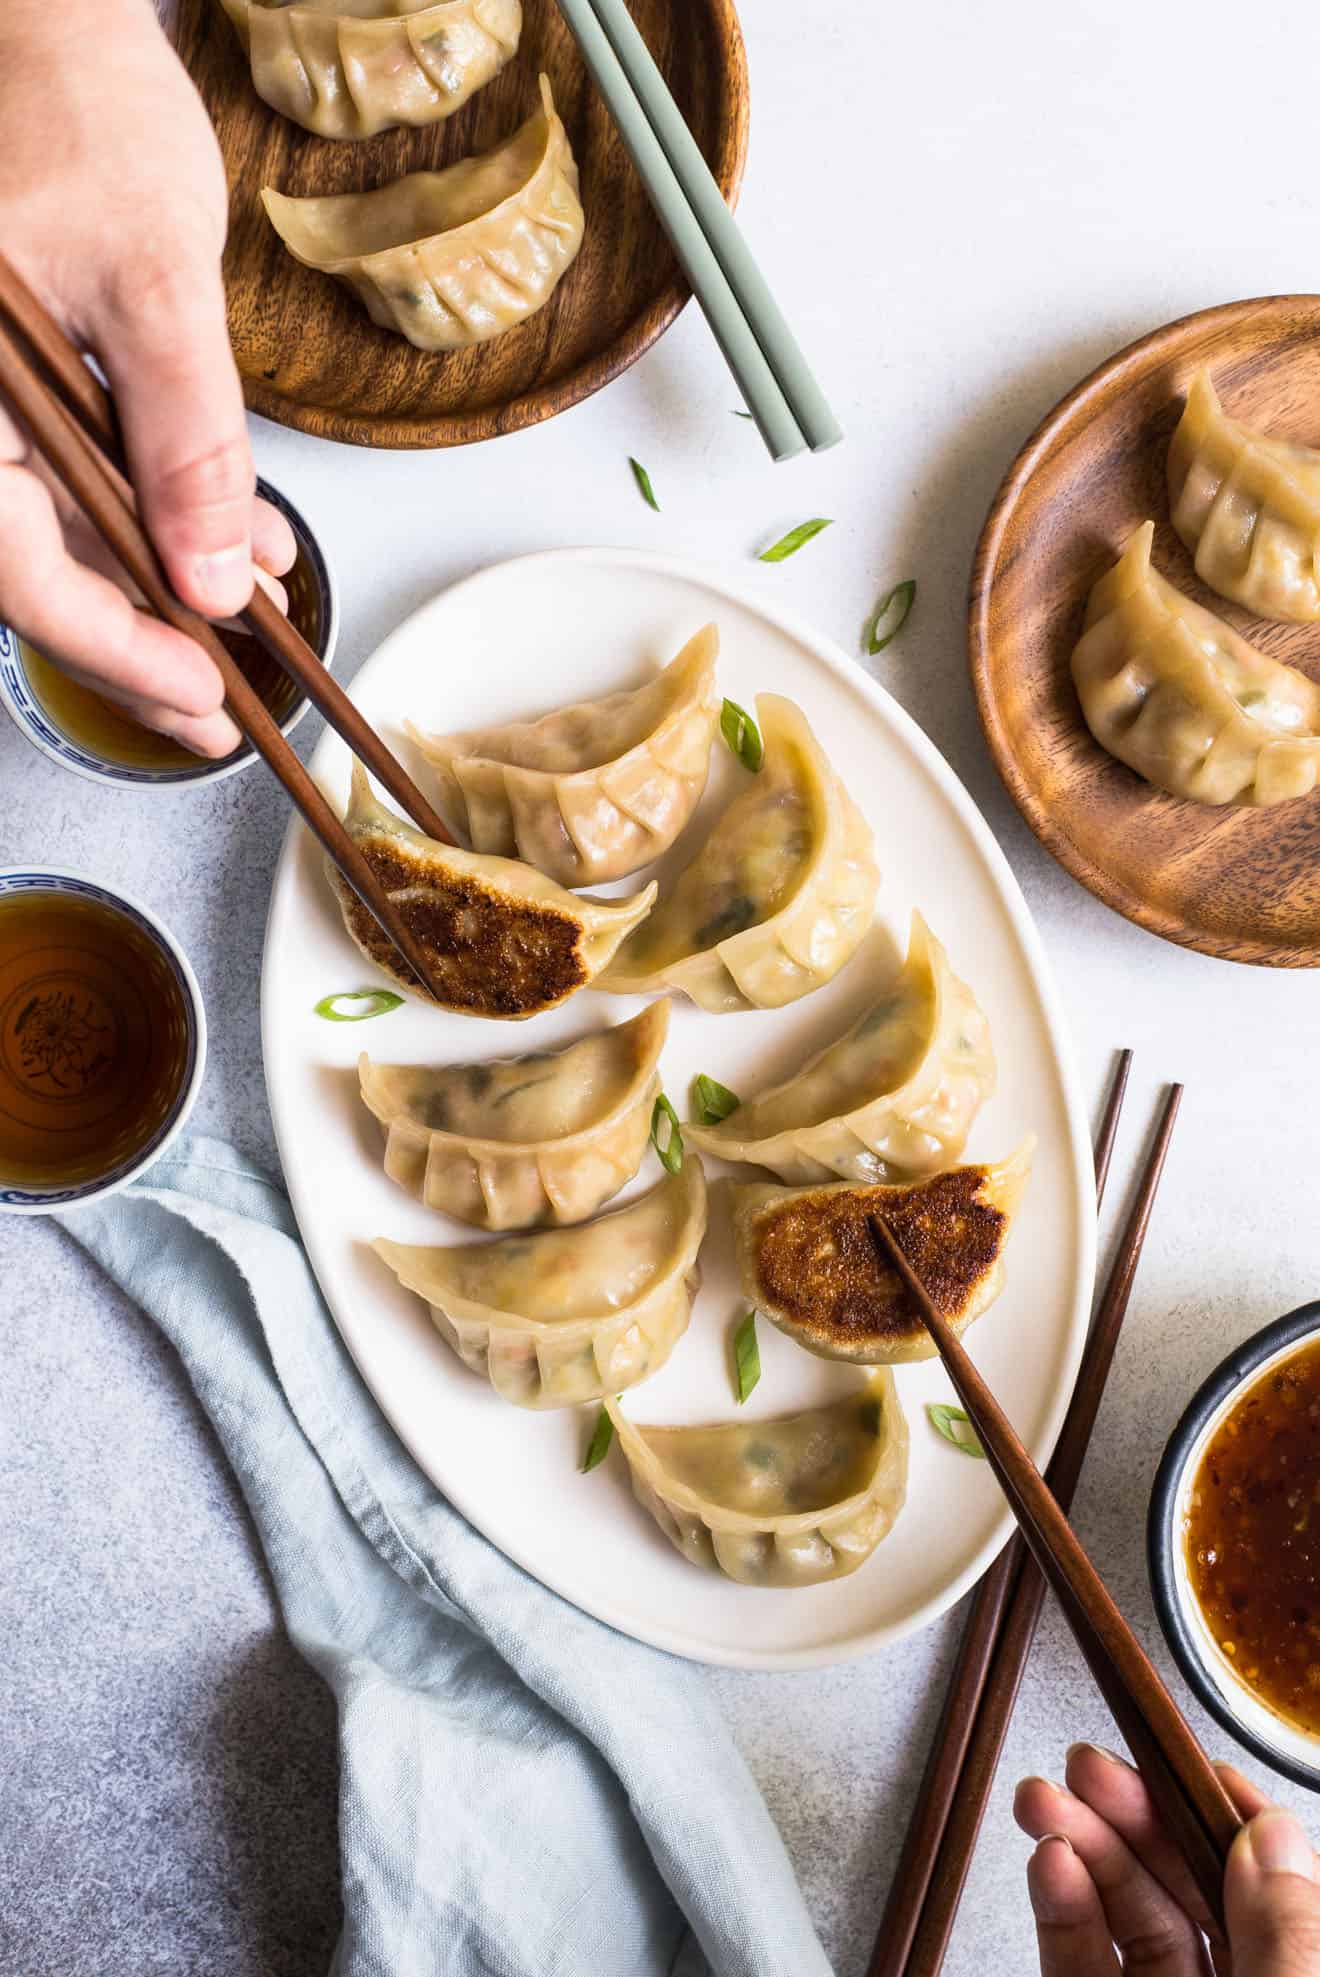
x: 1252, y: 1538
x: 95, y: 1039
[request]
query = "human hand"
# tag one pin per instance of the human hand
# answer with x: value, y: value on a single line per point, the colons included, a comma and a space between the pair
x: 113, y: 208
x: 1110, y: 1892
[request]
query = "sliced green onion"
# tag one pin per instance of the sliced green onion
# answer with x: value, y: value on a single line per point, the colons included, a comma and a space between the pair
x: 599, y: 1445
x: 742, y: 735
x: 643, y: 480
x: 746, y: 1358
x: 894, y: 605
x: 953, y: 1424
x: 741, y: 415
x: 372, y: 1001
x: 788, y: 545
x: 712, y: 1101
x: 666, y: 1135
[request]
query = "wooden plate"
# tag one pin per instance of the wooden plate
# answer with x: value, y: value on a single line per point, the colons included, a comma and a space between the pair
x: 308, y: 354
x: 1242, y: 884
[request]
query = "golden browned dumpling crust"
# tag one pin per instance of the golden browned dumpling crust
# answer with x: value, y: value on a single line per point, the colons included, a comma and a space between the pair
x: 491, y: 954
x: 818, y: 1265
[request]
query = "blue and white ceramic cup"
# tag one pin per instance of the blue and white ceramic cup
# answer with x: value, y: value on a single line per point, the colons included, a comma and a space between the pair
x: 69, y: 724
x: 65, y: 1013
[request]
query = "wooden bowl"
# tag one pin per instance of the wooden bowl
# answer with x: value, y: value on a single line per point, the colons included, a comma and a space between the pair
x: 1240, y: 883
x: 308, y: 354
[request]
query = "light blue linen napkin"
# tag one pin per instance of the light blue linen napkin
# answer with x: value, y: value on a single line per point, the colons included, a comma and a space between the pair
x: 523, y: 1792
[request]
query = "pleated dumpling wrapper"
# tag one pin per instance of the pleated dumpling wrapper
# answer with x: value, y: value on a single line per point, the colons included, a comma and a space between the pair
x: 569, y: 1315
x: 787, y: 1502
x: 779, y: 897
x: 893, y: 1097
x: 549, y: 1137
x: 591, y: 792
x: 1170, y: 689
x: 502, y: 940
x: 807, y: 1259
x: 351, y: 68
x: 455, y: 257
x: 1248, y: 507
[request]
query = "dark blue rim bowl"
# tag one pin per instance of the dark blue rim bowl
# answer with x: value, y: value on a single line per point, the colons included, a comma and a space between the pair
x: 1163, y: 1537
x: 30, y: 717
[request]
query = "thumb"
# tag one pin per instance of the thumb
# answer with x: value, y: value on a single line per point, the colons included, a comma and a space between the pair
x: 164, y: 344
x: 1272, y: 1900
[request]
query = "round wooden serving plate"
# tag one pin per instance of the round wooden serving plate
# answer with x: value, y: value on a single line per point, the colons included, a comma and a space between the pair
x: 1239, y: 883
x: 308, y: 354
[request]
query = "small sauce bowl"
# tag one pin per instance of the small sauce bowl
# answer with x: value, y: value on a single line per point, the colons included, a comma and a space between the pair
x: 1286, y: 1746
x: 101, y: 1060
x: 82, y: 732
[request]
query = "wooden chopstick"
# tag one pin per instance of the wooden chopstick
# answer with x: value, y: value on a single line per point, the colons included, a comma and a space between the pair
x: 770, y: 370
x: 1179, y: 1775
x: 943, y: 1780
x: 92, y: 406
x: 106, y: 500
x: 994, y: 1712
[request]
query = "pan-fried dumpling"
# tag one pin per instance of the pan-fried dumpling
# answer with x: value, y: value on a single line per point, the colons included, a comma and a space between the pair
x: 592, y: 792
x: 894, y: 1096
x: 454, y: 257
x: 350, y: 68
x: 568, y: 1315
x: 544, y: 1138
x: 1174, y: 692
x: 502, y: 940
x: 1248, y: 507
x: 779, y: 896
x: 786, y: 1502
x: 808, y: 1261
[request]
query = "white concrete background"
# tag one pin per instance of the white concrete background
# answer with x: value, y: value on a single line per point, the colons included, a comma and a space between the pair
x: 964, y: 209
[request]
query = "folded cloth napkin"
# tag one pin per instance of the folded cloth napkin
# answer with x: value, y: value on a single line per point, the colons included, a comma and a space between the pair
x: 523, y: 1792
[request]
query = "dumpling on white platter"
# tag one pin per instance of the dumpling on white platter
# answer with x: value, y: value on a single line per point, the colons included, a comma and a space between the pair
x: 351, y: 68
x: 779, y: 897
x: 791, y: 1501
x: 591, y: 792
x: 1170, y: 689
x: 454, y: 257
x: 894, y: 1096
x: 807, y: 1258
x: 569, y: 1315
x: 1248, y: 507
x: 548, y: 1137
x: 501, y: 939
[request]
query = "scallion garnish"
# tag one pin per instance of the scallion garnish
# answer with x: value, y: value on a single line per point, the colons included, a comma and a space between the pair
x: 894, y: 606
x: 599, y: 1445
x: 788, y: 545
x: 666, y: 1135
x: 712, y: 1101
x: 953, y: 1424
x: 643, y: 480
x: 372, y: 1001
x: 746, y: 1358
x: 742, y: 735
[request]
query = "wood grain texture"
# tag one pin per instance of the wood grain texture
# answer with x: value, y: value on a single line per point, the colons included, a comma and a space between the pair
x: 307, y: 353
x: 1242, y: 884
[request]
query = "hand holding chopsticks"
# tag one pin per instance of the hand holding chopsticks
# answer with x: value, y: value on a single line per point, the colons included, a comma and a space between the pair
x: 72, y: 424
x: 1185, y: 1788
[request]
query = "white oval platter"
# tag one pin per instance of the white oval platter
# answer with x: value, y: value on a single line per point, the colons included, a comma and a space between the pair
x: 514, y: 641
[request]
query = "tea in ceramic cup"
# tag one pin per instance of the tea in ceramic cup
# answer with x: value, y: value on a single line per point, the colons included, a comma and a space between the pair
x: 102, y: 1039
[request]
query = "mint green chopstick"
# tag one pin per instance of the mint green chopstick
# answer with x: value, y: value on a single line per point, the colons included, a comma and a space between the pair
x: 777, y: 386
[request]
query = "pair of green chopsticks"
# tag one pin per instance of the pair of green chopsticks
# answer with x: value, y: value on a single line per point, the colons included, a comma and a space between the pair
x: 760, y: 349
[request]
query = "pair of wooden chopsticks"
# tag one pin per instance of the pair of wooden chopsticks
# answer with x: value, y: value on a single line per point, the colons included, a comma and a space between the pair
x: 72, y: 423
x: 780, y: 392
x: 932, y: 1869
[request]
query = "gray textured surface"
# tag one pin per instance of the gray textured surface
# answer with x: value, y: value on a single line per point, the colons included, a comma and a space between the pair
x: 167, y: 1788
